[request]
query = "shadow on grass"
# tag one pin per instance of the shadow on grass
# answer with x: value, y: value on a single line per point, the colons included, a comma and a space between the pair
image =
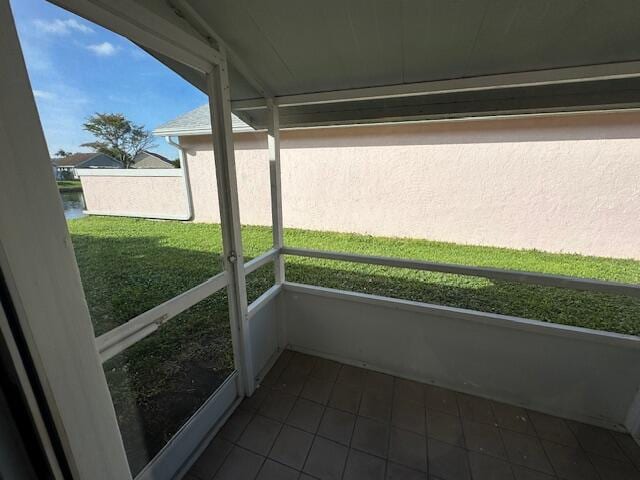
x: 124, y: 277
x: 613, y: 313
x: 157, y: 384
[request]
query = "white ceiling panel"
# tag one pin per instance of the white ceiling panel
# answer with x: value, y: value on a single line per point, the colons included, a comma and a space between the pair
x: 294, y: 47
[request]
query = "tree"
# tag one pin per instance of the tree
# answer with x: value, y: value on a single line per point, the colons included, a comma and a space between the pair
x: 63, y: 153
x: 117, y: 136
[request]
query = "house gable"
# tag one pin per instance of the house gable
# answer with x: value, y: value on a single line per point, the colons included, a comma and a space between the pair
x: 151, y: 160
x: 100, y: 161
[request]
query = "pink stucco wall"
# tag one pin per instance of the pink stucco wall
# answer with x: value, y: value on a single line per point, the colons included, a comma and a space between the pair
x: 560, y: 184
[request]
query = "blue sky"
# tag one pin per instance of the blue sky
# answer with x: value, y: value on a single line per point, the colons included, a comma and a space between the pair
x: 77, y: 68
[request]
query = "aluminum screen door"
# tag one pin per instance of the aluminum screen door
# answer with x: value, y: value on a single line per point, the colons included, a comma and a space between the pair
x: 43, y: 280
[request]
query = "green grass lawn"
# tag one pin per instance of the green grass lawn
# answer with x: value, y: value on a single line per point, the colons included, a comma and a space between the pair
x: 69, y: 185
x: 129, y: 266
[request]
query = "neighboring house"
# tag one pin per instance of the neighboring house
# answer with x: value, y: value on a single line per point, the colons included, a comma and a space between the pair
x: 65, y: 167
x: 147, y: 159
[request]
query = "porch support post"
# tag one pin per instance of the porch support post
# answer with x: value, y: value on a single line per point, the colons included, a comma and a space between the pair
x: 220, y: 108
x: 273, y: 139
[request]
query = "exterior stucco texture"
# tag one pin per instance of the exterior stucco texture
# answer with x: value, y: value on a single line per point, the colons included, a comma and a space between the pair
x: 559, y: 184
x: 554, y: 183
x: 135, y: 195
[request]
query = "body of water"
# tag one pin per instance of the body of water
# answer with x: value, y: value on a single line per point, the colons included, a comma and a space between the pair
x: 73, y: 204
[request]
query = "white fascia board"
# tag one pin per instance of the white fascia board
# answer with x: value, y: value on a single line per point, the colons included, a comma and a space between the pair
x: 169, y: 132
x: 187, y: 132
x: 486, y: 116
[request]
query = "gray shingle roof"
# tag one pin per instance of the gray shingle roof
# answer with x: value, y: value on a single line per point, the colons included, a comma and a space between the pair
x: 74, y: 159
x: 197, y: 122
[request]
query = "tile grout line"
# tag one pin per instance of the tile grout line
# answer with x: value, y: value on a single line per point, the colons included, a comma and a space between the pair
x: 535, y: 434
x: 254, y: 413
x: 297, y: 397
x: 544, y: 450
x: 464, y: 437
x: 264, y: 459
x: 426, y: 428
x: 393, y: 398
x: 344, y: 468
x: 586, y: 454
x: 353, y: 429
x: 635, y: 463
x: 267, y: 457
x: 215, y: 473
x: 313, y: 441
x: 503, y: 443
x: 615, y: 441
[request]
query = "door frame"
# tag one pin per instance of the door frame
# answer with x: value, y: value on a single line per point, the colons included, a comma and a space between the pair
x: 43, y: 281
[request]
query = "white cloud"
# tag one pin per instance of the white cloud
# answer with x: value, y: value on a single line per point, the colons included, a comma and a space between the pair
x: 61, y: 27
x: 44, y: 95
x: 104, y: 49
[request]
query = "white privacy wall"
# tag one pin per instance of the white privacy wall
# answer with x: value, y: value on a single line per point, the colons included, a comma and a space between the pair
x: 134, y: 193
x: 560, y: 184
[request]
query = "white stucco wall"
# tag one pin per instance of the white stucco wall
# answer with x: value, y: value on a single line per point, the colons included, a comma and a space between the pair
x: 152, y: 196
x: 555, y: 183
x: 252, y: 170
x: 560, y: 184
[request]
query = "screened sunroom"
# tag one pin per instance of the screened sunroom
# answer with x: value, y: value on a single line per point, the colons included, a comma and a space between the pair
x: 323, y: 382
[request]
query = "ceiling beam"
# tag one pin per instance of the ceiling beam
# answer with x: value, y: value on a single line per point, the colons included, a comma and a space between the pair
x: 195, y: 19
x: 557, y: 76
x: 295, y: 122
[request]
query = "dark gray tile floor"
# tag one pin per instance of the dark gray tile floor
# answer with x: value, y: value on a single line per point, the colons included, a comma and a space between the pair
x: 317, y: 419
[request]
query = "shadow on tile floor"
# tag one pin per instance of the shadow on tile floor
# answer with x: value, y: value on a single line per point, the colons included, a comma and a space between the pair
x: 317, y: 419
